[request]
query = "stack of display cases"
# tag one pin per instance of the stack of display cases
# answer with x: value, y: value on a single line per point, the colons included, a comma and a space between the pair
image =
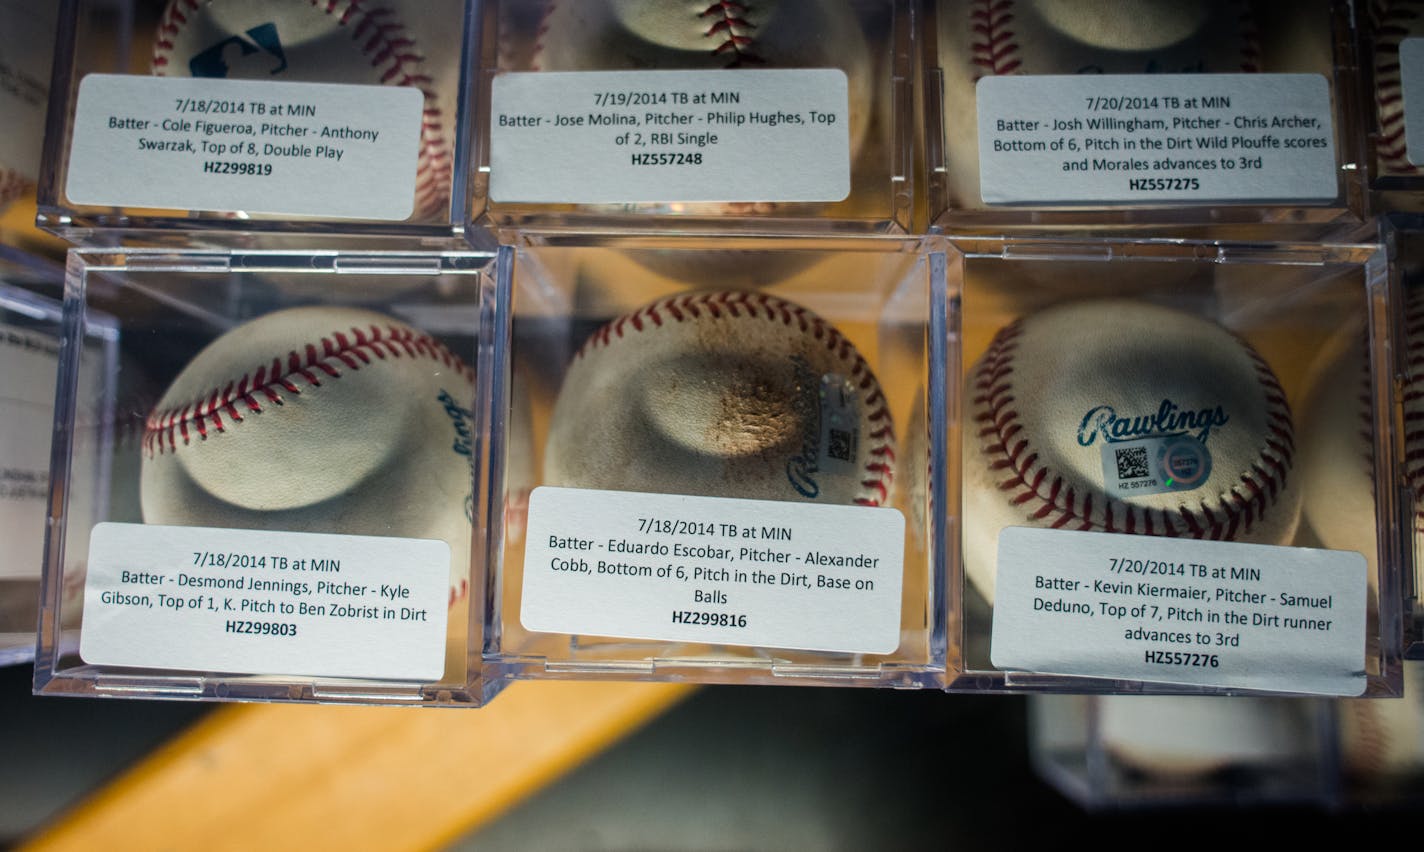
x: 1234, y: 406
x: 722, y: 477
x: 30, y: 334
x: 602, y: 117
x: 282, y: 505
x: 1118, y: 751
x: 278, y: 125
x: 1205, y: 119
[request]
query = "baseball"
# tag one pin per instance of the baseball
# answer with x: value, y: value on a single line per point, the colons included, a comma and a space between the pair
x: 978, y: 38
x: 1183, y: 735
x: 1383, y: 738
x: 317, y: 419
x: 337, y: 41
x: 1392, y: 21
x: 1123, y: 417
x: 723, y: 394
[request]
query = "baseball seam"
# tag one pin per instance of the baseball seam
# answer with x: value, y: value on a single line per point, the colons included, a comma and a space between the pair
x: 1393, y: 22
x: 1040, y: 492
x: 311, y: 363
x: 744, y: 305
x: 382, y: 39
x: 992, y: 44
x: 730, y: 31
x: 1372, y: 743
x: 1412, y: 401
x: 995, y: 49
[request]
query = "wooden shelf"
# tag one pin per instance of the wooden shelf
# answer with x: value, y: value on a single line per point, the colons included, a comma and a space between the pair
x: 387, y: 778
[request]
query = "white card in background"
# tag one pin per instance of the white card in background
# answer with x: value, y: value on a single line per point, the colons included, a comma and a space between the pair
x: 1411, y: 84
x: 666, y: 136
x: 297, y: 149
x: 29, y: 360
x: 261, y: 602
x: 1207, y: 613
x: 679, y: 568
x: 1156, y: 138
x: 27, y: 33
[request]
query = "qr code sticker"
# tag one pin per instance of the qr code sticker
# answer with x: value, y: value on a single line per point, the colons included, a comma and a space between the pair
x: 1131, y: 462
x: 842, y: 445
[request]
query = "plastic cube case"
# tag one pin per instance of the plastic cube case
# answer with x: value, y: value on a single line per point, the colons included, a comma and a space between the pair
x: 225, y: 123
x: 287, y: 499
x: 1176, y: 466
x: 721, y: 476
x: 1222, y: 119
x: 794, y: 118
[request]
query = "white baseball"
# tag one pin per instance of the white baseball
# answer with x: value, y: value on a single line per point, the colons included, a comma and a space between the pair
x: 730, y: 394
x: 333, y: 41
x: 318, y: 419
x: 1057, y: 389
x: 1391, y: 22
x: 1384, y: 737
x: 979, y: 38
x: 1185, y: 735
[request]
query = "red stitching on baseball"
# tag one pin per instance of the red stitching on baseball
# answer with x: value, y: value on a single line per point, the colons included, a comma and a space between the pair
x: 730, y: 24
x: 992, y: 46
x: 1392, y: 24
x: 244, y: 395
x: 1372, y: 741
x: 743, y: 305
x: 999, y: 432
x: 379, y: 35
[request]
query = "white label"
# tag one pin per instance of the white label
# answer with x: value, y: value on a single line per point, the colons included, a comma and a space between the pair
x: 26, y: 50
x: 31, y: 363
x: 646, y: 136
x: 1411, y: 84
x: 298, y: 149
x: 711, y: 569
x: 260, y: 602
x: 1154, y: 138
x: 1208, y: 613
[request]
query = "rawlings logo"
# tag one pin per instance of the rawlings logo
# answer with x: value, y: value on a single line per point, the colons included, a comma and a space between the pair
x: 460, y: 418
x: 1167, y: 421
x: 801, y: 469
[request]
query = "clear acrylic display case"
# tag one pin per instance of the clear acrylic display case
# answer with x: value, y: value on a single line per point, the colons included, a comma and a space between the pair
x: 31, y: 335
x: 615, y: 383
x: 869, y: 40
x: 1055, y: 338
x: 1389, y: 30
x: 1379, y: 746
x: 1403, y: 238
x: 192, y: 160
x: 356, y: 435
x: 1141, y: 751
x: 1023, y: 51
